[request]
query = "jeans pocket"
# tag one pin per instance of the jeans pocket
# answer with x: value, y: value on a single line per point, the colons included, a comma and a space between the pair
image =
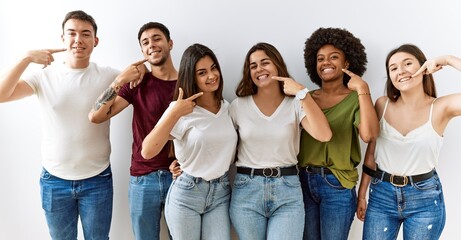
x: 183, y: 182
x: 291, y: 181
x: 241, y: 180
x: 333, y: 182
x: 427, y: 184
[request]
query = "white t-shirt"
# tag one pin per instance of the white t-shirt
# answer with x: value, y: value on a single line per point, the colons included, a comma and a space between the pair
x: 267, y: 141
x: 205, y: 142
x: 73, y: 148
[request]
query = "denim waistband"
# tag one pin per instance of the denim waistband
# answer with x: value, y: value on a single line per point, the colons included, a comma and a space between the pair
x: 199, y: 179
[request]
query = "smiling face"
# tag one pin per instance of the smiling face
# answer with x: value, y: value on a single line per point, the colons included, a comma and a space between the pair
x: 400, y: 68
x: 79, y: 37
x: 207, y: 75
x: 330, y: 62
x: 262, y: 69
x: 155, y: 47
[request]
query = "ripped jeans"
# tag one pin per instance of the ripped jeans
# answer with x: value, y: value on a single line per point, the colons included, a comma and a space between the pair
x: 418, y: 206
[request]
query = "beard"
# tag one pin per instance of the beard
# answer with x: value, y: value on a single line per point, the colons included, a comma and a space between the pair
x: 160, y: 62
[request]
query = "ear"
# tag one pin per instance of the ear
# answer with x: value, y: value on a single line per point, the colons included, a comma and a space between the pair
x: 96, y: 41
x: 170, y: 43
x: 346, y: 65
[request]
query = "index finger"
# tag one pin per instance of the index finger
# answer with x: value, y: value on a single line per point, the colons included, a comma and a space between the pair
x: 180, y: 93
x: 56, y: 50
x: 348, y: 72
x: 139, y: 62
x: 195, y: 96
x: 279, y: 78
x: 421, y: 70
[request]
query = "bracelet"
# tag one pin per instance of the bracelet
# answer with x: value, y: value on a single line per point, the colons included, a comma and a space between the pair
x: 361, y: 199
x: 365, y: 93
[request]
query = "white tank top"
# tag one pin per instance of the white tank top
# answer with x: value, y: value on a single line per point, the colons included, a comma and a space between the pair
x: 415, y: 153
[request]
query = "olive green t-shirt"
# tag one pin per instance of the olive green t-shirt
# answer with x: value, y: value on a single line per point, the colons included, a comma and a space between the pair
x: 342, y: 153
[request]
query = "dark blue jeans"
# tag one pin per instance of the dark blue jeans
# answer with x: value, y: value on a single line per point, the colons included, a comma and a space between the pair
x: 64, y: 201
x: 418, y: 206
x: 329, y: 207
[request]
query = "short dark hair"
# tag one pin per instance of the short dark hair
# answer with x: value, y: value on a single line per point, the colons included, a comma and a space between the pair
x: 428, y: 80
x: 246, y: 85
x: 187, y: 75
x: 342, y: 39
x: 80, y: 15
x: 156, y: 25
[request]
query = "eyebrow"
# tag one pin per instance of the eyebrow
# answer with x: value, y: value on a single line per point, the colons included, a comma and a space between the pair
x: 264, y: 59
x: 151, y: 36
x: 406, y: 59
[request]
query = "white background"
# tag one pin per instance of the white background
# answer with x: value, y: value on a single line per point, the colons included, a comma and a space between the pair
x: 230, y: 28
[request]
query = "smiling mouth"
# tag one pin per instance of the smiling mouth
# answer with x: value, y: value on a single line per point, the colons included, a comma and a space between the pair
x: 263, y: 77
x: 404, y: 79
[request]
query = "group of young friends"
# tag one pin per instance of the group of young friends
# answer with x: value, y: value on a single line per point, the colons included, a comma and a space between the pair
x: 296, y: 150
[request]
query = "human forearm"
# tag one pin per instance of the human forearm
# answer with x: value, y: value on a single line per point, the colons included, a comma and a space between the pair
x: 369, y: 126
x: 315, y: 122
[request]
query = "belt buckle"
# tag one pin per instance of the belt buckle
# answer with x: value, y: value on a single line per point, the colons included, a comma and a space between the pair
x: 271, y: 173
x: 405, y: 181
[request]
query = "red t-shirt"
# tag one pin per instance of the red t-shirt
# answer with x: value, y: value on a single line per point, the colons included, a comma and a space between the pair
x: 149, y: 99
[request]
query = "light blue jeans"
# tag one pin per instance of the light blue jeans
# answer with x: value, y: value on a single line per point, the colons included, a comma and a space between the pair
x: 147, y: 196
x: 329, y: 207
x: 418, y: 206
x: 64, y: 201
x: 198, y: 209
x: 267, y: 207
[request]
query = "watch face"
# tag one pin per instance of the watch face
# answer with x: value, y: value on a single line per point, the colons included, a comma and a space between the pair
x: 301, y: 94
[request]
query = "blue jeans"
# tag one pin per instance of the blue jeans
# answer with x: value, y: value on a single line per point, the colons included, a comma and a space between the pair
x: 146, y: 196
x: 198, y: 209
x: 267, y: 207
x: 65, y: 200
x: 419, y: 206
x: 329, y: 207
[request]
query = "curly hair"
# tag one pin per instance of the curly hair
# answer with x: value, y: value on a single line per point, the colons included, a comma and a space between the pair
x: 340, y: 38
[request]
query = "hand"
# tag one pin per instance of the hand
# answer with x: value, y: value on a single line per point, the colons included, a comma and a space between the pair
x: 361, y: 209
x: 175, y: 169
x: 431, y: 66
x: 182, y: 106
x: 290, y: 86
x: 44, y: 56
x: 356, y: 83
x: 133, y: 74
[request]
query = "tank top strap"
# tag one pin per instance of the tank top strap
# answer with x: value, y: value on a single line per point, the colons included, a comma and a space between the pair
x: 432, y: 107
x: 385, y: 108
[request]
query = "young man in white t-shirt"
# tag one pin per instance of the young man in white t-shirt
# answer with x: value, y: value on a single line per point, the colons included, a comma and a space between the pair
x: 76, y: 181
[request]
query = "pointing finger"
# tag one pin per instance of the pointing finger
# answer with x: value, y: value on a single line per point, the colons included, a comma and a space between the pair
x: 351, y: 74
x: 195, y: 96
x: 139, y: 62
x: 180, y: 94
x: 56, y: 50
x: 421, y: 70
x: 279, y: 78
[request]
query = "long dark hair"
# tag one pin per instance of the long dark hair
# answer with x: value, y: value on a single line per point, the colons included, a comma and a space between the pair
x: 186, y: 73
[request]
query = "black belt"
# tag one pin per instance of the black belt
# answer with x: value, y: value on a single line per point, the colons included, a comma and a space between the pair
x: 318, y: 170
x: 269, y: 172
x: 398, y: 181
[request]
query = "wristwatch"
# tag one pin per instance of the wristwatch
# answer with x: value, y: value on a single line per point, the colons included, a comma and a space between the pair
x: 301, y: 94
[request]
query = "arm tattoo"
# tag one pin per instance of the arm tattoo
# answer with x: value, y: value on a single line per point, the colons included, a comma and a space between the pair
x: 106, y: 96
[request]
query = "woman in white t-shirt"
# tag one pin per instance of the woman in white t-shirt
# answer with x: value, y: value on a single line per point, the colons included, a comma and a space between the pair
x: 197, y: 204
x: 400, y: 165
x: 267, y: 200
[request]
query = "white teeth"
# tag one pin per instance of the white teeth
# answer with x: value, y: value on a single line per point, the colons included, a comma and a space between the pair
x: 404, y: 79
x: 262, y: 77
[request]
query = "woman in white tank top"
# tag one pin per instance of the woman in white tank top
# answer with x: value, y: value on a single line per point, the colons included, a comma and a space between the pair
x: 400, y: 165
